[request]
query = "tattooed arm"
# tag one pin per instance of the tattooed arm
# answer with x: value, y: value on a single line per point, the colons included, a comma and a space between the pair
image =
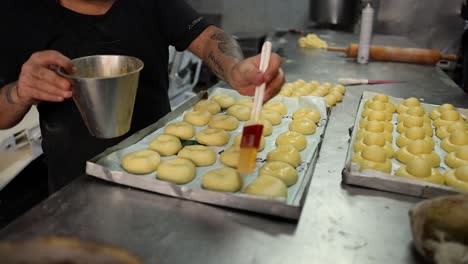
x: 224, y: 57
x: 11, y: 112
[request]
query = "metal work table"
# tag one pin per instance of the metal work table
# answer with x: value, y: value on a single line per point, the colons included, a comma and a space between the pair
x: 339, y: 224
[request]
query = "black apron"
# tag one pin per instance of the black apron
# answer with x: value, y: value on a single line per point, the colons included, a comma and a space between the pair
x: 123, y: 30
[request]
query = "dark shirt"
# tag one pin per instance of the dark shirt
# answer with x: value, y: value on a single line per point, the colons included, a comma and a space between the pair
x: 139, y: 28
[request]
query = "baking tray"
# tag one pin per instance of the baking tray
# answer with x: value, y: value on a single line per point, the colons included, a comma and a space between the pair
x: 388, y: 182
x: 107, y: 164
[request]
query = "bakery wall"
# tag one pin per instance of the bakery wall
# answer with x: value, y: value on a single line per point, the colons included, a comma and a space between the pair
x: 428, y: 23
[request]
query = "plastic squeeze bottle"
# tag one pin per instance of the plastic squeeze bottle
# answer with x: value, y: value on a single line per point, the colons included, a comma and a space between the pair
x: 365, y: 34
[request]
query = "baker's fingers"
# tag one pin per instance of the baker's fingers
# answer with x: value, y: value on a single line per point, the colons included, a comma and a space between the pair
x: 273, y: 67
x: 52, y: 57
x: 274, y: 86
x: 47, y: 75
x: 52, y: 89
x: 40, y: 95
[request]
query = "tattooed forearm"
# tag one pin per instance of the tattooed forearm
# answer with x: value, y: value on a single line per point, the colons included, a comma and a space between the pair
x: 9, y: 98
x: 216, y: 65
x: 227, y: 45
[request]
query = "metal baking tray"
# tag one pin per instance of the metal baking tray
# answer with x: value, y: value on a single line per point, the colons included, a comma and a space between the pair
x: 389, y: 182
x: 107, y: 164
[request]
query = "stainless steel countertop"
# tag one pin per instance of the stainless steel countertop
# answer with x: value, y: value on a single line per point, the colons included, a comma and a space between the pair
x: 339, y: 224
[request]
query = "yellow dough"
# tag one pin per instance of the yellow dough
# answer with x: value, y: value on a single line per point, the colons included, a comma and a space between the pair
x: 304, y: 126
x: 320, y: 91
x: 447, y: 118
x: 280, y: 170
x: 310, y: 113
x: 241, y: 112
x: 222, y: 180
x: 300, y: 91
x: 166, y: 145
x: 457, y: 158
x: 286, y: 91
x: 327, y: 85
x: 177, y: 170
x: 295, y: 139
x: 272, y: 116
x: 415, y: 121
x: 308, y: 88
x: 245, y: 101
x: 201, y: 156
x: 182, y: 130
x: 330, y: 99
x: 410, y: 102
x: 212, y: 137
x: 141, y: 162
x: 225, y: 122
x: 269, y: 186
x: 285, y: 153
x: 411, y: 134
x: 238, y: 138
x: 387, y: 115
x: 376, y: 127
x: 339, y: 96
x: 438, y: 111
x: 224, y: 100
x: 277, y: 107
x: 417, y: 149
x: 230, y: 156
x: 208, y: 105
x: 198, y: 118
x: 377, y: 116
x: 414, y: 111
x: 374, y: 139
x: 267, y: 127
x: 377, y: 105
x: 456, y: 140
x: 373, y: 157
x: 340, y: 88
x: 420, y: 169
x: 445, y: 131
x: 458, y: 178
x: 314, y: 83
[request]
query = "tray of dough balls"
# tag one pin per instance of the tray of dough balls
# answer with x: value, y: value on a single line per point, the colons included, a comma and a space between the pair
x: 193, y: 152
x: 409, y: 147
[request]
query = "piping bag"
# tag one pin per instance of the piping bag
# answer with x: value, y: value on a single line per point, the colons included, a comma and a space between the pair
x: 252, y: 131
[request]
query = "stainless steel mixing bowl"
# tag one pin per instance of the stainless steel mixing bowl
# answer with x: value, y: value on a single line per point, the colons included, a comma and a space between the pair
x: 104, y: 90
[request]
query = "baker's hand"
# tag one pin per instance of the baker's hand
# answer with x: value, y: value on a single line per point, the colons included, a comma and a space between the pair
x: 37, y: 82
x: 245, y: 76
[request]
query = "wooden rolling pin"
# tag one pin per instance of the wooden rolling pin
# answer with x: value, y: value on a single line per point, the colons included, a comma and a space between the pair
x: 384, y: 53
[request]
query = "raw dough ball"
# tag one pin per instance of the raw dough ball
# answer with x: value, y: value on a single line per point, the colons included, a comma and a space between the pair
x: 387, y: 116
x: 285, y: 153
x: 224, y: 100
x: 340, y: 88
x: 374, y: 139
x: 238, y: 138
x: 314, y: 83
x: 377, y: 116
x: 166, y: 145
x: 299, y: 83
x: 267, y: 127
x: 327, y: 85
x: 201, y: 156
x: 414, y: 111
x: 417, y: 149
x: 178, y: 171
x: 456, y: 140
x: 373, y: 157
x: 295, y: 139
x: 415, y: 121
x: 446, y: 118
x: 339, y: 96
x: 277, y: 107
x: 280, y: 170
x: 420, y: 169
x: 241, y: 112
x: 212, y: 137
x: 383, y: 98
x: 245, y: 101
x: 208, y: 105
x: 182, y: 130
x: 330, y: 99
x: 320, y: 91
x: 267, y: 186
x: 300, y: 91
x: 304, y: 126
x: 272, y: 116
x: 225, y: 122
x: 222, y: 180
x: 438, y: 111
x: 406, y: 104
x: 230, y: 156
x: 376, y: 127
x: 286, y: 91
x: 141, y: 162
x: 458, y: 178
x: 457, y: 158
x: 445, y: 131
x: 411, y: 134
x: 379, y: 106
x: 308, y: 88
x: 310, y: 113
x: 198, y: 118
